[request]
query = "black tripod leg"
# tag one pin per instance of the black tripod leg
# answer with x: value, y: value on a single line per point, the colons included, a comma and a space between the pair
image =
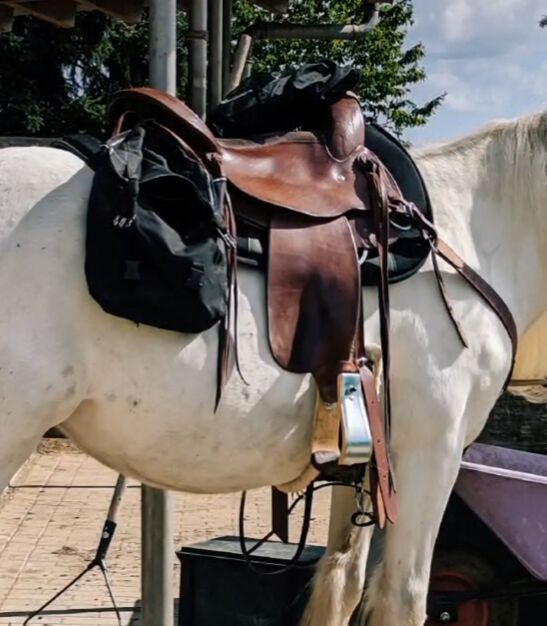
x: 60, y: 593
x: 104, y: 570
x: 107, y: 534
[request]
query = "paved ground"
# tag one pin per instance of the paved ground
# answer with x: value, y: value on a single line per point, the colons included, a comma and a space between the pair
x: 49, y: 525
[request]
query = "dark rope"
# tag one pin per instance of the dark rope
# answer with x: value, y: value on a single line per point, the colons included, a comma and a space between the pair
x: 358, y: 519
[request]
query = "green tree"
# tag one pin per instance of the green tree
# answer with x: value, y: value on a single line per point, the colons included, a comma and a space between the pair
x: 54, y: 82
x: 389, y: 69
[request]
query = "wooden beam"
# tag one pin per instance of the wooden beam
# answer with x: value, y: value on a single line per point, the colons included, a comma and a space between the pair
x: 129, y: 11
x: 6, y: 19
x: 58, y: 12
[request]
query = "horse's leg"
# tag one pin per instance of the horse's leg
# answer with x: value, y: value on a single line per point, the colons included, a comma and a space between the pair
x: 340, y: 577
x: 14, y: 451
x: 37, y: 392
x: 397, y: 594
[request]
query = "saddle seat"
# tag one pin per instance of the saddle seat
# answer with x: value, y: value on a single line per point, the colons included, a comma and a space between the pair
x: 297, y: 172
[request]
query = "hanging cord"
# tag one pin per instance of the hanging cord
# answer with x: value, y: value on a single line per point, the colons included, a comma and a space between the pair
x: 360, y: 519
x: 301, y: 543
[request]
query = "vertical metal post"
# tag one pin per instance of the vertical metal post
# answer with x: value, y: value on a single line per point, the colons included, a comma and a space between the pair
x: 163, y: 45
x: 241, y: 57
x: 198, y: 56
x: 227, y: 10
x: 156, y: 505
x: 215, y: 52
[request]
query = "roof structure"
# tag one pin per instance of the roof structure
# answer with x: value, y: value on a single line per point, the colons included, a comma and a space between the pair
x: 62, y: 12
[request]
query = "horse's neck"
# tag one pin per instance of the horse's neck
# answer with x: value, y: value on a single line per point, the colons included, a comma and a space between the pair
x: 490, y: 222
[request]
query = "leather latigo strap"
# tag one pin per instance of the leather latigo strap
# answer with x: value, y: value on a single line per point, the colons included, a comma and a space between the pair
x: 384, y: 500
x: 487, y: 293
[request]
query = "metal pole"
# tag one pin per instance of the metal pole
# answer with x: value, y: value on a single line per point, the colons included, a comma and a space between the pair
x: 157, y: 557
x: 274, y: 30
x: 215, y: 52
x: 285, y: 30
x: 163, y: 45
x: 227, y: 11
x: 198, y: 56
x: 157, y: 506
x: 241, y: 57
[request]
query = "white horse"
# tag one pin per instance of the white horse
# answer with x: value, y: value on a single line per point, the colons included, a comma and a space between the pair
x: 141, y: 400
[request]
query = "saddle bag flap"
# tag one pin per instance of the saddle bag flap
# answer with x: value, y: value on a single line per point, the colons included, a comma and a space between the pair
x: 153, y: 251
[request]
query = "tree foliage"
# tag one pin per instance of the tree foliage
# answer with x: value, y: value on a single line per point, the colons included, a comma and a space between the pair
x: 54, y: 82
x: 389, y: 69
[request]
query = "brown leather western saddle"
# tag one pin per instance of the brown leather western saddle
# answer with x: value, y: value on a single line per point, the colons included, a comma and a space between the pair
x: 324, y: 202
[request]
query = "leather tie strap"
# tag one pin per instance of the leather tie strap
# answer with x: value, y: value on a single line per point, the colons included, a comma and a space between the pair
x: 384, y: 499
x: 487, y: 293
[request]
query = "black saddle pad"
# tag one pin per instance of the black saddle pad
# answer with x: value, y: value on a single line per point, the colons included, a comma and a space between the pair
x: 410, y: 251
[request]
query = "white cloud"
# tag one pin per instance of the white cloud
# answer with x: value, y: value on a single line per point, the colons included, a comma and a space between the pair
x: 488, y: 56
x: 463, y: 27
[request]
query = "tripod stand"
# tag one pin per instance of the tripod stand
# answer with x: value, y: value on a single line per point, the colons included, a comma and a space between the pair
x: 98, y: 561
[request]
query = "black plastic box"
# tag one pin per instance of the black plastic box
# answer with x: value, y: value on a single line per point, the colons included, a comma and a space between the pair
x: 218, y: 588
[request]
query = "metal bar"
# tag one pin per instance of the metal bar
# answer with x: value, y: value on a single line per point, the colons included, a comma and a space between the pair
x: 273, y: 30
x: 163, y: 45
x: 227, y: 10
x: 215, y: 52
x: 241, y: 56
x: 117, y: 496
x: 157, y: 506
x: 157, y: 557
x: 198, y: 56
x: 501, y: 472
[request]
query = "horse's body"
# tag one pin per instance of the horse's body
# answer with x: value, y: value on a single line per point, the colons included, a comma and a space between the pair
x: 142, y: 400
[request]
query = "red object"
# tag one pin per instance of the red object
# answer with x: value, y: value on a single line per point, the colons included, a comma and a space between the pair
x: 472, y: 613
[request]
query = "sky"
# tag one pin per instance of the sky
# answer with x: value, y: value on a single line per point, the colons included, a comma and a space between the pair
x: 489, y: 56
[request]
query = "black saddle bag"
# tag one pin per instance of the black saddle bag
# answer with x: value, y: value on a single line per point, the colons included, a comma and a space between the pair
x: 155, y: 252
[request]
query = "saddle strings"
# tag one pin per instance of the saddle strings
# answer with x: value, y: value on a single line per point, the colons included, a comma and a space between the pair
x: 378, y: 189
x: 225, y: 341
